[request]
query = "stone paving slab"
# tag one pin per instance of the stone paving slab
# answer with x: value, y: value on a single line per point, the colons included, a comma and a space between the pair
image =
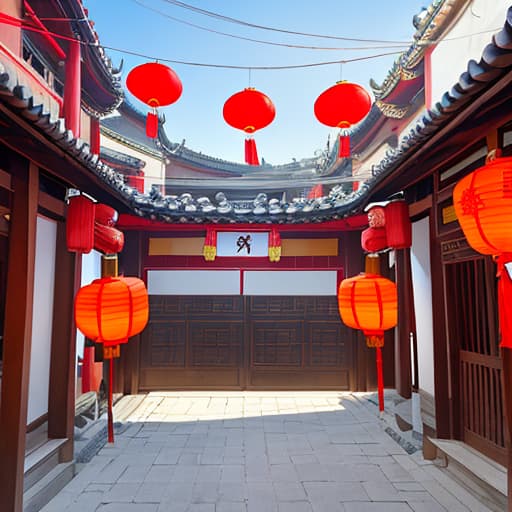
x: 259, y: 451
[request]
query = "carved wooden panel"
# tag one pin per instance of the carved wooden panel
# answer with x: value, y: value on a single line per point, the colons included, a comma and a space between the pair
x: 277, y: 343
x: 215, y: 343
x: 245, y: 342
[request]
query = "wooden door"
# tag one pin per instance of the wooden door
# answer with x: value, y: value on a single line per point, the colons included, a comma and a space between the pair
x: 245, y: 342
x: 473, y: 328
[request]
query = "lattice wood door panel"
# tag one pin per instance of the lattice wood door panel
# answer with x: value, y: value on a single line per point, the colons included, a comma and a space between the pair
x: 472, y: 327
x: 245, y: 342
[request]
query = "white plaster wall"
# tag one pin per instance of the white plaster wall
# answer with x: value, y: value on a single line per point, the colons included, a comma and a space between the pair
x: 450, y: 57
x: 91, y: 269
x: 194, y: 282
x: 290, y: 282
x: 422, y: 289
x: 42, y: 318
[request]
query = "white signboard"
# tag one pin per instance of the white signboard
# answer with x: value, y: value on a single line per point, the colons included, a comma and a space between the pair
x: 239, y: 243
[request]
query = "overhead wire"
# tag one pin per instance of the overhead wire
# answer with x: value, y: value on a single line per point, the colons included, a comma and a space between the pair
x: 229, y: 19
x: 10, y: 20
x: 260, y: 41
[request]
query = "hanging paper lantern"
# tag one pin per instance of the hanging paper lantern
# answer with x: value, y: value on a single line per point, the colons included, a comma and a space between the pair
x: 274, y: 245
x: 80, y: 224
x: 210, y: 244
x: 156, y: 85
x: 249, y: 110
x: 483, y: 204
x: 398, y: 225
x: 342, y: 106
x: 105, y: 215
x: 374, y: 239
x: 112, y: 309
x: 107, y: 239
x: 369, y: 303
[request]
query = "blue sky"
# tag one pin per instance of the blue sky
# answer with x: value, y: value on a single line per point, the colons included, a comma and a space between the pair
x: 197, y: 116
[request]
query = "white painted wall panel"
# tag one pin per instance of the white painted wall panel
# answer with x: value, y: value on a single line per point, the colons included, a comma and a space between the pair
x: 91, y: 270
x: 42, y: 318
x: 422, y: 288
x: 450, y: 57
x: 290, y: 282
x: 194, y: 282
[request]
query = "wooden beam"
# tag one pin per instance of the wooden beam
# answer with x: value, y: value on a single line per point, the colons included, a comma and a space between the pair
x: 17, y: 334
x: 61, y: 407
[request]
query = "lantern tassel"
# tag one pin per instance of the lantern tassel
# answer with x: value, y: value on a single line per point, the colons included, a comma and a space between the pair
x: 380, y: 378
x: 251, y: 153
x: 344, y: 147
x: 504, y: 300
x: 110, y: 414
x: 152, y: 124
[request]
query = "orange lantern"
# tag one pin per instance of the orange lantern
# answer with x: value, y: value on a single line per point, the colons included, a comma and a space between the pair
x: 112, y: 309
x: 80, y: 224
x: 398, y: 225
x: 249, y: 110
x: 156, y: 85
x: 368, y: 302
x: 341, y: 106
x: 483, y: 204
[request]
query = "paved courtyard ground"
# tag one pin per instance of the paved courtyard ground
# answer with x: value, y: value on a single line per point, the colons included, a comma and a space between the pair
x: 259, y: 452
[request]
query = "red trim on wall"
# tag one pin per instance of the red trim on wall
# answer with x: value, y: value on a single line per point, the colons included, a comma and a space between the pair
x: 132, y: 222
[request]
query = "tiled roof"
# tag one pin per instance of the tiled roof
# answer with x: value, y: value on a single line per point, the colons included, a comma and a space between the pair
x: 495, y: 63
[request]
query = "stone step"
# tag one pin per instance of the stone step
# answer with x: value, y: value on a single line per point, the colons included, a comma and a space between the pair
x: 42, y: 491
x: 482, y: 476
x: 41, y: 460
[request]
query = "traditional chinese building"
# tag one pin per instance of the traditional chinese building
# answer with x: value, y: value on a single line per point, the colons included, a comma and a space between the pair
x: 242, y: 263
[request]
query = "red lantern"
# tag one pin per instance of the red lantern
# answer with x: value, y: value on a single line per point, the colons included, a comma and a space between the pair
x: 112, y: 309
x: 369, y: 302
x: 274, y: 245
x: 483, y: 204
x: 376, y: 217
x: 249, y: 110
x: 374, y: 239
x: 80, y: 224
x: 210, y: 244
x: 398, y: 225
x: 107, y: 239
x: 105, y: 215
x: 341, y: 106
x: 157, y: 86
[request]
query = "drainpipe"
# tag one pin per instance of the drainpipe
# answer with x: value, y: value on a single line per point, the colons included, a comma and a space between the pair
x: 72, y: 88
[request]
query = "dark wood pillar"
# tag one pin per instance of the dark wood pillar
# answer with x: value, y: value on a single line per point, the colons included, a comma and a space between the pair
x: 18, y: 334
x: 406, y: 322
x: 130, y: 261
x: 61, y: 406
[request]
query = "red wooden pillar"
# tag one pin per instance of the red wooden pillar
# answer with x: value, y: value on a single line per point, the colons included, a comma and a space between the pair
x: 72, y: 88
x: 18, y: 334
x: 95, y: 136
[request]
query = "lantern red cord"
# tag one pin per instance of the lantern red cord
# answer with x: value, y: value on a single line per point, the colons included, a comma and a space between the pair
x: 249, y: 110
x: 156, y: 85
x: 341, y: 106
